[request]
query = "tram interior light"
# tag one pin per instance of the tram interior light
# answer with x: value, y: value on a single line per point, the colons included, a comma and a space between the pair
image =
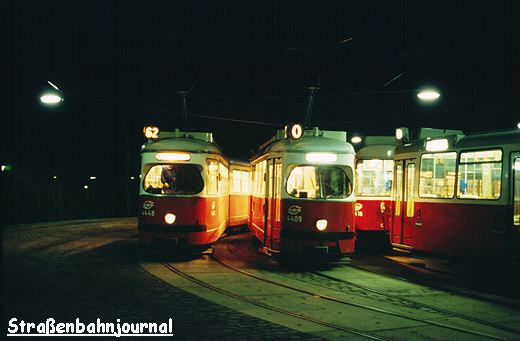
x: 169, y: 218
x: 437, y: 145
x: 321, y: 224
x: 321, y: 157
x: 173, y: 156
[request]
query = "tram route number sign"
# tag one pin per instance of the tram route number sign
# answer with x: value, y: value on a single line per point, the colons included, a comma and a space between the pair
x: 151, y: 132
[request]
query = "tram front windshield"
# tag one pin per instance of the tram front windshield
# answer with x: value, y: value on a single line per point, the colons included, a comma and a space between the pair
x: 174, y: 179
x: 318, y: 182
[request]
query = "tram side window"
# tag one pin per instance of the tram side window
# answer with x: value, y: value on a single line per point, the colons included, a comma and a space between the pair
x: 516, y: 213
x: 237, y: 180
x: 174, y: 179
x: 245, y: 183
x: 437, y: 176
x: 398, y: 188
x: 374, y: 177
x: 240, y: 182
x: 480, y: 174
x: 259, y: 179
x: 212, y: 177
x: 318, y: 183
x: 410, y: 189
x: 223, y: 179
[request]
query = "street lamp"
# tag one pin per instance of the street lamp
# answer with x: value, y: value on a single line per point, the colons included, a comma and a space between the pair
x: 52, y: 96
x: 428, y: 95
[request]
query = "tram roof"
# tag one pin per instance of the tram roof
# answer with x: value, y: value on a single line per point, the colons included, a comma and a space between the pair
x: 459, y: 141
x: 313, y: 140
x: 185, y: 141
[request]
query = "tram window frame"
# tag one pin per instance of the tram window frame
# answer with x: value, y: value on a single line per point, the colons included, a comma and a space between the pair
x: 223, y: 178
x: 382, y: 169
x: 293, y: 167
x: 409, y: 195
x: 516, y: 191
x: 430, y: 195
x: 245, y: 182
x: 160, y: 191
x: 259, y: 179
x: 236, y: 182
x: 459, y: 163
x: 210, y: 183
x: 241, y: 183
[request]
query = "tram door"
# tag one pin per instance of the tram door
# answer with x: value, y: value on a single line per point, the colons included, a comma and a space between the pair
x: 273, y: 200
x: 403, y: 227
x: 515, y: 160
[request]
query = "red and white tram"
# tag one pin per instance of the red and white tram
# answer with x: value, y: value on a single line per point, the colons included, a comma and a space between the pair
x: 374, y: 177
x: 184, y: 192
x: 302, y: 196
x: 458, y: 196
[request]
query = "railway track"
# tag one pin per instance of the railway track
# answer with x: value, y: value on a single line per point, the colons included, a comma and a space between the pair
x: 323, y: 280
x: 270, y: 307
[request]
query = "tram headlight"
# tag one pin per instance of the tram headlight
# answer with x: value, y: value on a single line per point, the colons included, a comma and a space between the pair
x: 169, y: 218
x: 321, y: 224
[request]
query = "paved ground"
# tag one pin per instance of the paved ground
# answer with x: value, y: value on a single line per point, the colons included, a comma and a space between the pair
x: 89, y: 270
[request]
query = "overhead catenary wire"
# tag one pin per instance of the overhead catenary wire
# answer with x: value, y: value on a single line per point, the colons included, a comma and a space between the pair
x: 162, y: 110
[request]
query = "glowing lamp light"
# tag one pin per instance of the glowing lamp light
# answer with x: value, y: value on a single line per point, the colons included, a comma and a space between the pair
x: 355, y: 139
x: 169, y: 218
x: 428, y: 95
x: 4, y: 168
x: 518, y: 125
x: 51, y: 98
x: 92, y: 178
x: 55, y: 177
x: 321, y: 157
x: 132, y: 177
x: 399, y: 133
x: 173, y: 156
x: 321, y: 224
x: 437, y: 145
x: 85, y: 187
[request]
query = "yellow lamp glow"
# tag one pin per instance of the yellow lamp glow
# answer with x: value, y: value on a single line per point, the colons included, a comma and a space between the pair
x: 321, y: 157
x: 173, y: 156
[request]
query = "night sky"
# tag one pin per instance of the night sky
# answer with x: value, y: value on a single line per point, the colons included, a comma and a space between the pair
x: 121, y: 64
